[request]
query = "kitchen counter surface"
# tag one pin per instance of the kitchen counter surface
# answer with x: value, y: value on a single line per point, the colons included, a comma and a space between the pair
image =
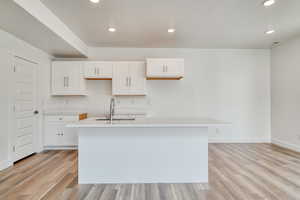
x: 148, y: 122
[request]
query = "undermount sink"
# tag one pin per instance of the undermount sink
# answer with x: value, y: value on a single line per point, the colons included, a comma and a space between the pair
x: 114, y: 119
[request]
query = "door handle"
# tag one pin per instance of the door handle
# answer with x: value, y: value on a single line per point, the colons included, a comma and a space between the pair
x: 36, y: 112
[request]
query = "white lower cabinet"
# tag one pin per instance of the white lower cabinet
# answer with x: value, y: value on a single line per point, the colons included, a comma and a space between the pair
x: 56, y: 134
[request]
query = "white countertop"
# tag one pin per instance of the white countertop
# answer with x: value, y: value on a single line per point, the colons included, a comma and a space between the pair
x: 148, y: 122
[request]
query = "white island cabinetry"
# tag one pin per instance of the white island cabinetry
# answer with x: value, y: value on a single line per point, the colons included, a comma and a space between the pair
x: 143, y: 151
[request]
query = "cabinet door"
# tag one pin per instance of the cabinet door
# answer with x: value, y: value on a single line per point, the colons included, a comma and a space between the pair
x: 53, y: 132
x: 105, y: 70
x: 137, y: 81
x: 75, y: 77
x: 60, y: 74
x: 171, y: 68
x: 98, y: 70
x: 68, y: 78
x: 165, y: 68
x: 121, y: 79
x: 69, y: 137
x: 90, y: 70
x: 155, y: 67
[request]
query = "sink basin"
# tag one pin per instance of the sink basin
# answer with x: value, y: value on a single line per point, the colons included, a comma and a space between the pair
x: 114, y: 119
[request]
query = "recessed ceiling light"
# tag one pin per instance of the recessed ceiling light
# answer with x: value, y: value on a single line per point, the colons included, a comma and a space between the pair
x: 270, y: 32
x: 95, y: 1
x: 111, y: 29
x: 268, y: 3
x: 171, y: 30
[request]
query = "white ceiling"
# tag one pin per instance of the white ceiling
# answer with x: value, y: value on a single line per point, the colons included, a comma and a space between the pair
x: 198, y: 23
x: 17, y: 21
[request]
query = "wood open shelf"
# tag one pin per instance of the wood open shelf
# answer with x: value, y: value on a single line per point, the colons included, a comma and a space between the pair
x: 156, y: 78
x: 98, y: 78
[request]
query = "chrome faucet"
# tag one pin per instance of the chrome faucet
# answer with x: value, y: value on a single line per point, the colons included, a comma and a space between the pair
x: 112, y: 109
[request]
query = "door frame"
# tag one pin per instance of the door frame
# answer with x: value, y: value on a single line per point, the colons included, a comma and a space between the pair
x: 36, y: 137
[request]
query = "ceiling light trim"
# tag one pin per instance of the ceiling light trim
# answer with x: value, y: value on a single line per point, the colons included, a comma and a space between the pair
x: 268, y: 3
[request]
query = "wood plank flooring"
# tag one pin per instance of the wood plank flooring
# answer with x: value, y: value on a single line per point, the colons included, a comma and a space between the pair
x: 237, y: 171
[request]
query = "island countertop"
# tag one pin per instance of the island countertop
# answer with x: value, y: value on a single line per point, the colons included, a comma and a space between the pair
x: 148, y: 122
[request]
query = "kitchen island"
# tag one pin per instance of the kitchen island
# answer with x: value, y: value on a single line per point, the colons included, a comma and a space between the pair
x: 143, y: 150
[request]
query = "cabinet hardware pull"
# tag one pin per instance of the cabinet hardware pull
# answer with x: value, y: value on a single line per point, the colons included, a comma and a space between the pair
x: 95, y: 71
x: 67, y: 81
x: 129, y: 81
x: 166, y: 68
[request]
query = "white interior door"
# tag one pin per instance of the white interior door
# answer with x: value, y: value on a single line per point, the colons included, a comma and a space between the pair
x: 24, y: 108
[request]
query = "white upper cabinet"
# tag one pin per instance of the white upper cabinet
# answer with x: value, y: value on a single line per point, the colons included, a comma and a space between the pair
x: 158, y: 68
x: 68, y: 78
x: 129, y: 78
x: 98, y: 70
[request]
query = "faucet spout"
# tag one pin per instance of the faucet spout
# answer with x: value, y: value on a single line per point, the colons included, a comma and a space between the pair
x: 112, y: 109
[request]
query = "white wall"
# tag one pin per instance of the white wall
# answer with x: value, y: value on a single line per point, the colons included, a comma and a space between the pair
x: 229, y: 85
x: 285, y: 70
x: 4, y: 108
x: 11, y: 46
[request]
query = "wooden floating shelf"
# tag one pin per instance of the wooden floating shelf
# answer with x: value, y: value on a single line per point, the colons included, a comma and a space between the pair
x: 156, y: 78
x: 98, y: 78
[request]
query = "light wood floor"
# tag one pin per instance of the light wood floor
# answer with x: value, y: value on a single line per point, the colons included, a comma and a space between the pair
x: 237, y: 171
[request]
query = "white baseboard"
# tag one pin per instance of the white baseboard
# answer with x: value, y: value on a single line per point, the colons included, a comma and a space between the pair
x: 287, y: 145
x: 239, y: 141
x: 60, y: 147
x: 5, y: 164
